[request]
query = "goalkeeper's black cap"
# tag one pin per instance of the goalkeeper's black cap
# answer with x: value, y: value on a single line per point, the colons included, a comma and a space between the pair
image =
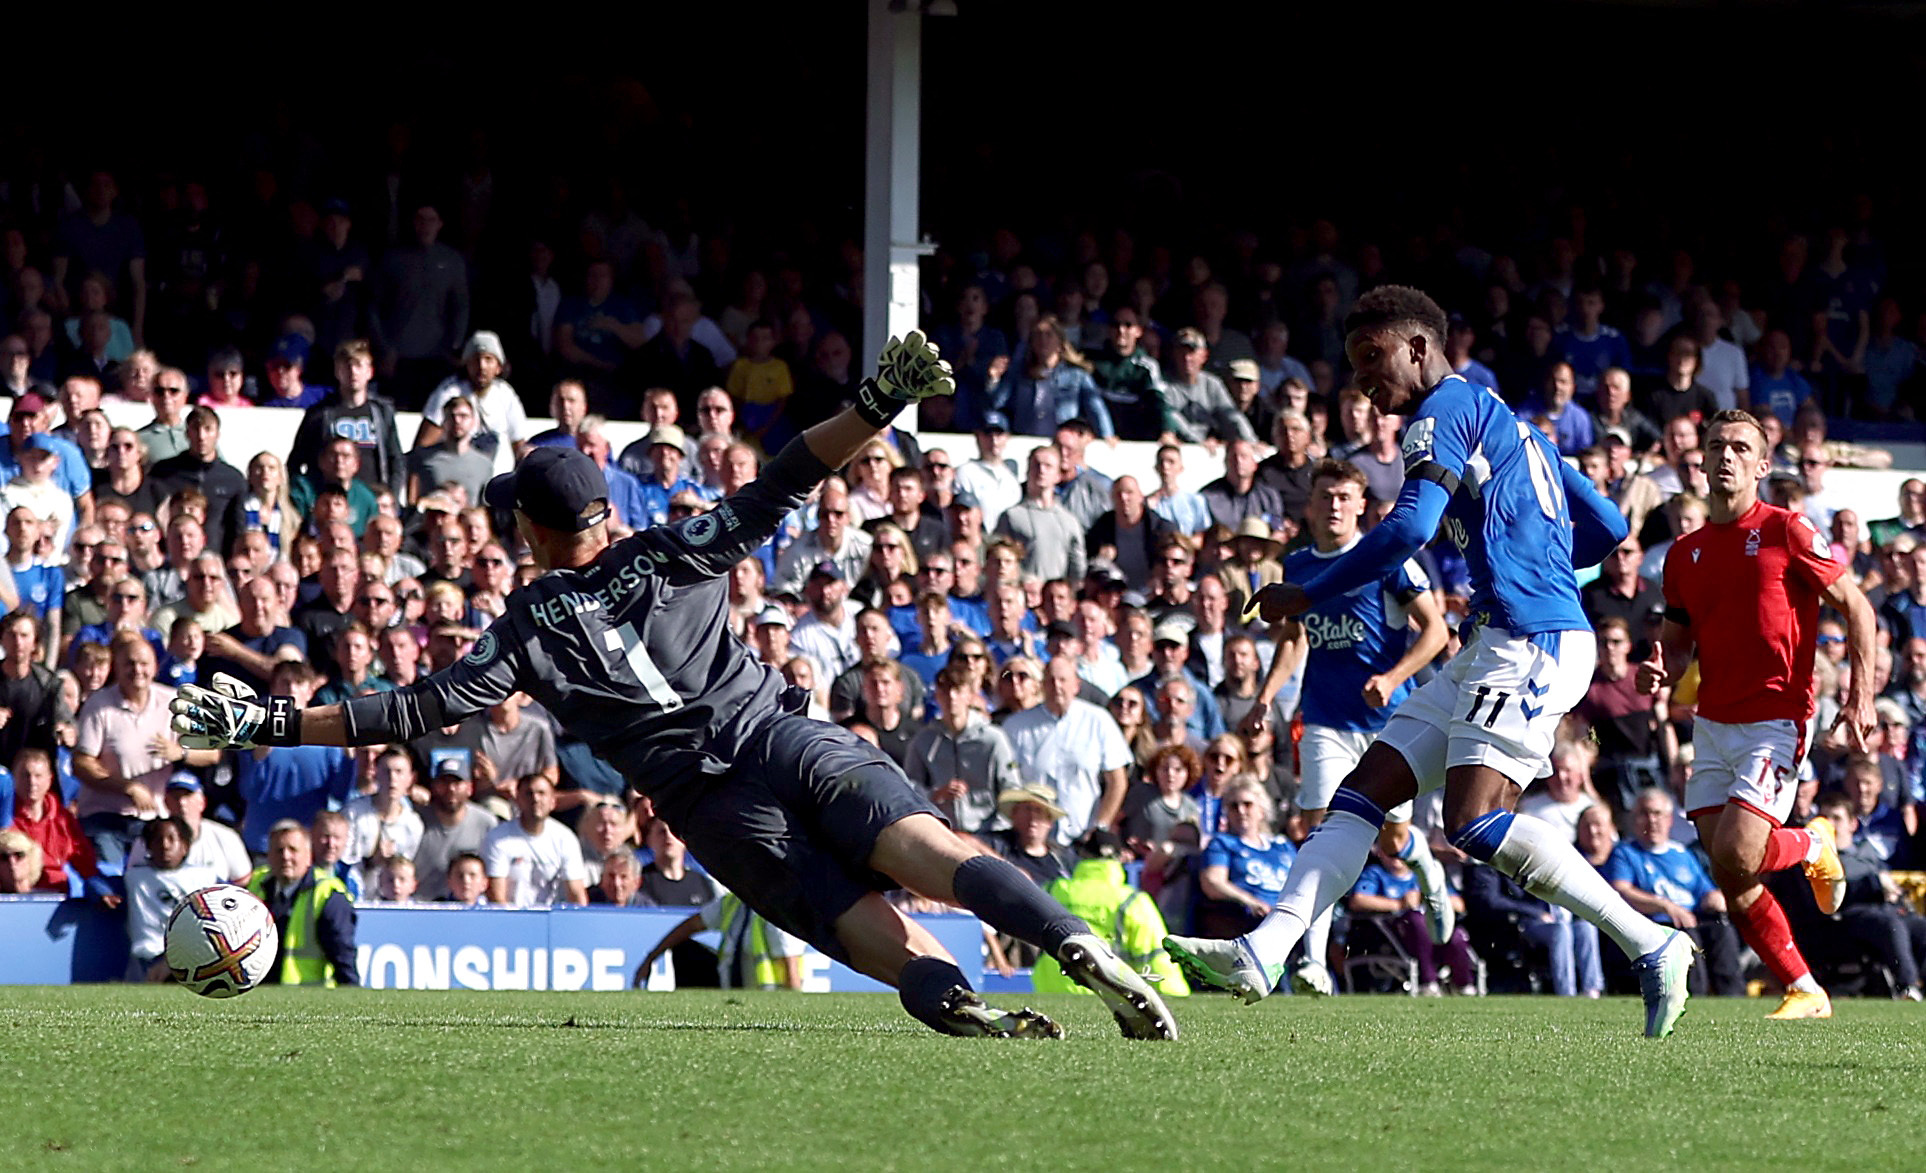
x: 559, y: 488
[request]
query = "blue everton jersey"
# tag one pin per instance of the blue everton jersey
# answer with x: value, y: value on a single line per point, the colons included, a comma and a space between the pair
x: 1671, y: 872
x: 1507, y: 510
x: 1352, y: 638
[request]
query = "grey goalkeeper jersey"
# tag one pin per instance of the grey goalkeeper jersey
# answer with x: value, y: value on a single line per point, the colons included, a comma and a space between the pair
x: 632, y: 653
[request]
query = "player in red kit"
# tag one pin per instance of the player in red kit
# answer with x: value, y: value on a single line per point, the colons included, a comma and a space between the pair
x: 1745, y: 589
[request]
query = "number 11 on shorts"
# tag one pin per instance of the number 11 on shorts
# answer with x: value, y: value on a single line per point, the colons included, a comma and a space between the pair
x: 1477, y: 702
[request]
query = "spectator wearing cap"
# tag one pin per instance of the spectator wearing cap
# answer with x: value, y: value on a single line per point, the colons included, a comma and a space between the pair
x: 1053, y: 540
x: 991, y: 479
x: 211, y: 844
x: 659, y: 409
x: 1170, y: 660
x: 1031, y: 841
x: 355, y: 412
x: 1131, y: 381
x: 1244, y: 382
x: 1075, y: 748
x: 827, y: 633
x: 769, y: 635
x: 960, y: 760
x: 1240, y: 493
x: 1051, y: 384
x: 199, y: 466
x: 1126, y: 537
x: 1197, y: 405
x: 504, y: 424
x: 28, y: 427
x: 666, y: 449
x: 285, y: 367
x: 1254, y: 562
x: 1083, y: 490
x: 419, y: 313
x: 833, y: 540
x: 453, y: 824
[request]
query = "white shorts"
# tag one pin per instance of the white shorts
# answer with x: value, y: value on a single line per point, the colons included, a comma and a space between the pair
x: 1755, y: 765
x: 1325, y: 756
x: 1497, y: 704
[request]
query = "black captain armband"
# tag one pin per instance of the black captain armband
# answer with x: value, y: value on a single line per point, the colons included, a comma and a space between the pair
x: 876, y: 407
x: 282, y: 725
x: 1679, y: 616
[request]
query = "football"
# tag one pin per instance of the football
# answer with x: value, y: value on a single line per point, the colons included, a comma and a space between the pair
x: 221, y: 941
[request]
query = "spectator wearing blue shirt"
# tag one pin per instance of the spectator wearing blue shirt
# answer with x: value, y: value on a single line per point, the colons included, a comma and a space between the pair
x: 1776, y: 387
x: 1169, y: 659
x: 971, y: 345
x: 1051, y: 386
x: 1389, y: 888
x: 568, y: 407
x: 655, y: 494
x: 27, y: 428
x: 625, y: 489
x: 1571, y: 425
x: 1459, y: 342
x: 290, y: 782
x: 42, y: 588
x: 1890, y: 360
x: 1590, y: 346
x: 1885, y: 826
x: 1241, y: 872
x: 596, y: 333
x: 285, y: 366
x: 1669, y: 883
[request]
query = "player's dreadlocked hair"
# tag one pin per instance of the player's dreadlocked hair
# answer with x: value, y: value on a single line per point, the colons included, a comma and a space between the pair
x: 1388, y: 305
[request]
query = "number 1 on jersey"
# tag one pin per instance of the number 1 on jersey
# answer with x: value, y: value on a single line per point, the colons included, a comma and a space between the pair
x: 628, y: 641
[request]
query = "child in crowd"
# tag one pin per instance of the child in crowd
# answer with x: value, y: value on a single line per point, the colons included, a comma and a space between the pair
x: 154, y: 888
x: 762, y: 384
x: 185, y: 644
x: 467, y: 881
x: 398, y: 882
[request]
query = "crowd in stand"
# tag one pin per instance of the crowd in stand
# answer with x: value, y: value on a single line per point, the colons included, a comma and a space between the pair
x: 1048, y: 651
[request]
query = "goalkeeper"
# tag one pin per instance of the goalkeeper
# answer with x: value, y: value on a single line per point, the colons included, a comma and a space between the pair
x: 628, y: 644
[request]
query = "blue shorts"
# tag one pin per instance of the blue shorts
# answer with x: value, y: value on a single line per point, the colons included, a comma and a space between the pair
x: 789, y: 827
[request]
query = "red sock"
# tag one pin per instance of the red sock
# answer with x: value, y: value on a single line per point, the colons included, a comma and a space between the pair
x: 1786, y: 846
x: 1764, y: 927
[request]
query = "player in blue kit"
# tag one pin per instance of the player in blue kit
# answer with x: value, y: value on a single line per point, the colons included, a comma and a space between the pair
x: 1358, y: 668
x: 1484, y: 727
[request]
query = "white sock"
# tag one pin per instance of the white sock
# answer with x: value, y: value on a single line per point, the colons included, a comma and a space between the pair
x: 1544, y: 863
x: 1807, y: 983
x: 1317, y: 938
x: 1326, y: 867
x: 1417, y: 853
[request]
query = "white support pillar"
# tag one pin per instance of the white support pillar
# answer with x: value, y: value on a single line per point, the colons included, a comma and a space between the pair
x: 892, y: 238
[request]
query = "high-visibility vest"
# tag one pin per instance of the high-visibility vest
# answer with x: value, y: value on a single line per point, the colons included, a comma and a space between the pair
x: 745, y: 938
x: 1098, y: 892
x: 302, y: 962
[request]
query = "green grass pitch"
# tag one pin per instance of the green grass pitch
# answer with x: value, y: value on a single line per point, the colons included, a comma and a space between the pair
x: 152, y: 1078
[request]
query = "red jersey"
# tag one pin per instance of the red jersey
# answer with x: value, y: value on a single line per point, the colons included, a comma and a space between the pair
x: 1749, y: 592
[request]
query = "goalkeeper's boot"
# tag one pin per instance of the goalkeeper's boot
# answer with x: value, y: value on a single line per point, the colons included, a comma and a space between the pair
x: 965, y: 1013
x: 1089, y: 961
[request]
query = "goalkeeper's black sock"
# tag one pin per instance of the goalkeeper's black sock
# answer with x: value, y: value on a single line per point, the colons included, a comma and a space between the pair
x: 925, y: 985
x: 1009, y: 902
